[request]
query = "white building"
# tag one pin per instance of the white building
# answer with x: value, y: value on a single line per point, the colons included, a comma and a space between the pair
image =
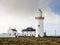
x: 11, y: 33
x: 28, y: 32
x: 39, y: 24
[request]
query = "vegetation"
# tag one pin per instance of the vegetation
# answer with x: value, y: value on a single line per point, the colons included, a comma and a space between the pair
x: 30, y: 41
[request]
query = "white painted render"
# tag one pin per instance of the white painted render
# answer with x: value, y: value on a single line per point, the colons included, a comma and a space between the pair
x: 39, y: 30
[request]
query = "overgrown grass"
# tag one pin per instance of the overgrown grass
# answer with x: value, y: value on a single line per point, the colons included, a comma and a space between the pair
x: 30, y: 41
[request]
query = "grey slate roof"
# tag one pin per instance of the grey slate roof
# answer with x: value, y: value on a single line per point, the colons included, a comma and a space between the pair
x: 29, y: 29
x: 13, y: 29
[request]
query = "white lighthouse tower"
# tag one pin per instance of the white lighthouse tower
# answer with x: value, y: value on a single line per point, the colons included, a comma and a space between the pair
x: 39, y: 24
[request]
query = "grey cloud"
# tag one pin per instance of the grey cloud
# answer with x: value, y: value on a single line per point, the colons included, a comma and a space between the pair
x: 27, y: 6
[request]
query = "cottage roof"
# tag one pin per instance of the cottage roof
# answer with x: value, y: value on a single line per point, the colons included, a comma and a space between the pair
x: 13, y: 29
x: 29, y: 29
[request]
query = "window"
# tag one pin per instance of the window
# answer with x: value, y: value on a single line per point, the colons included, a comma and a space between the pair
x: 30, y: 34
x: 30, y: 31
x: 15, y: 34
x: 10, y: 34
x: 35, y: 32
x: 38, y: 25
x: 38, y: 35
x: 27, y: 31
x: 23, y: 32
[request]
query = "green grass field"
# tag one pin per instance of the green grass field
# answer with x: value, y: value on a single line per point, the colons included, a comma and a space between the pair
x: 30, y: 41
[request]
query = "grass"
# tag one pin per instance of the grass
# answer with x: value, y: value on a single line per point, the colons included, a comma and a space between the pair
x: 30, y: 41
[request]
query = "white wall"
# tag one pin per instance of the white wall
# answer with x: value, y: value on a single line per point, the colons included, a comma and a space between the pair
x: 39, y: 30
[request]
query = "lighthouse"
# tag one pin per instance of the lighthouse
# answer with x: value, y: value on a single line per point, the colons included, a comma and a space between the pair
x: 39, y: 24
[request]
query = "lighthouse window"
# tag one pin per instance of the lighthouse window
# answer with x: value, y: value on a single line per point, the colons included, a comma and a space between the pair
x: 38, y: 25
x: 9, y: 34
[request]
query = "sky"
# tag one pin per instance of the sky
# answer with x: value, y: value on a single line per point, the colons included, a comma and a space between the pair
x: 20, y: 14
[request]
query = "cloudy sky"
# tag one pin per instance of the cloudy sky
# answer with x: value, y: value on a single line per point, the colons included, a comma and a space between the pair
x: 20, y: 14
